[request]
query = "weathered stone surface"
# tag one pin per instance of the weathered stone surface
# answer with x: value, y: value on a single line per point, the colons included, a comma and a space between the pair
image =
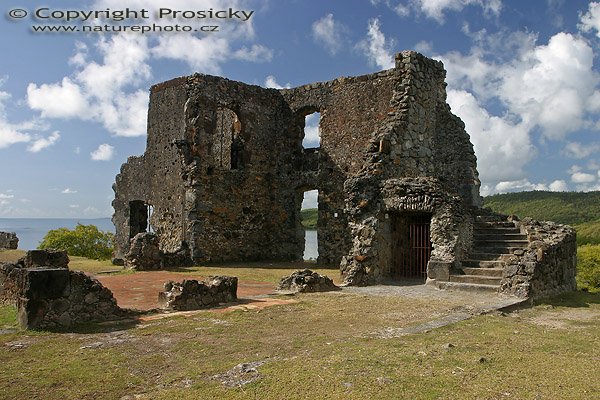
x: 547, y: 266
x: 45, y: 258
x: 306, y: 281
x: 224, y: 172
x: 9, y: 240
x: 49, y: 297
x: 144, y: 253
x: 192, y: 294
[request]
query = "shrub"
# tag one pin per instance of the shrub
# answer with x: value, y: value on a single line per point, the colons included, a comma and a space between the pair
x: 84, y: 241
x: 588, y: 267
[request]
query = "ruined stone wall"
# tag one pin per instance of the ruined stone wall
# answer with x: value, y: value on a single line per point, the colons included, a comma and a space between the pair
x: 421, y: 139
x: 49, y: 296
x: 225, y: 169
x: 9, y: 240
x: 155, y: 178
x: 547, y: 266
x: 351, y: 108
x: 240, y: 159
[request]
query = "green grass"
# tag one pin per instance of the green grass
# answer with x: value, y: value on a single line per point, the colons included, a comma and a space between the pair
x: 321, y: 347
x: 588, y: 232
x: 309, y: 218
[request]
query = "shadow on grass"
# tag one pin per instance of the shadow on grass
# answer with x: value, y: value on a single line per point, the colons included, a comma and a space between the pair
x: 256, y: 265
x: 577, y: 299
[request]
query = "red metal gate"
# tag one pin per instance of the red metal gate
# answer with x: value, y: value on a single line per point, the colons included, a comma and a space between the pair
x: 411, y: 245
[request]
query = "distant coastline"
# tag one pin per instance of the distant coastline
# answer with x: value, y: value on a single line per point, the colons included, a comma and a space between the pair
x: 31, y: 231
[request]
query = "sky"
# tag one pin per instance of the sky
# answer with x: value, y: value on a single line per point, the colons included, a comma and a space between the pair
x: 522, y: 75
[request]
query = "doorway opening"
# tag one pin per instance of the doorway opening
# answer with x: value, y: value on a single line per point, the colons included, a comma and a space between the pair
x: 310, y: 214
x: 139, y: 217
x: 411, y: 244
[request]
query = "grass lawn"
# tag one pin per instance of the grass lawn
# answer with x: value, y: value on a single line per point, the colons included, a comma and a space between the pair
x: 325, y: 346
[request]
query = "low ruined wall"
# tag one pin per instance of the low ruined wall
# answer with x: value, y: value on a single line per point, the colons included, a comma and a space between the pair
x: 9, y: 240
x: 50, y: 296
x: 547, y: 266
x: 192, y: 294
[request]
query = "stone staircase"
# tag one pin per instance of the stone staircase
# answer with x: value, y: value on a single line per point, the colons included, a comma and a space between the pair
x: 495, y: 241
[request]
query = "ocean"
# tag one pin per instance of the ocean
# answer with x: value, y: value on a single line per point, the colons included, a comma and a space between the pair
x: 31, y: 231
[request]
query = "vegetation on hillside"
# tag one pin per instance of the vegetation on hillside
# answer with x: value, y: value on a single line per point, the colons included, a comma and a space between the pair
x: 588, y: 267
x: 309, y: 218
x: 563, y: 207
x: 84, y: 241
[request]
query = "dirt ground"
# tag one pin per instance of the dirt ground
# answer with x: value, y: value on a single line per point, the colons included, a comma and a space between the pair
x: 139, y: 291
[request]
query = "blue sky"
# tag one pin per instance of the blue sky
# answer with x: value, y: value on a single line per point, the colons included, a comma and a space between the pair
x: 522, y: 75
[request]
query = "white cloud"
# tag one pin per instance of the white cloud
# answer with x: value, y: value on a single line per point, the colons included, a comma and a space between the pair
x: 73, y: 205
x: 558, y: 186
x: 377, y: 48
x: 519, y: 185
x: 590, y: 21
x: 60, y: 100
x: 502, y: 147
x: 310, y: 199
x: 5, y: 196
x: 10, y: 133
x: 312, y: 134
x: 271, y: 83
x: 110, y: 78
x: 580, y: 150
x: 69, y: 191
x: 101, y: 91
x: 435, y: 9
x: 582, y: 177
x: 91, y: 212
x: 329, y: 33
x: 41, y: 143
x: 104, y: 152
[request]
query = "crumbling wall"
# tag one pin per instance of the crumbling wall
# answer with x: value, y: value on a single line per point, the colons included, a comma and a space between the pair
x: 547, y: 266
x: 50, y: 296
x: 9, y: 240
x: 350, y: 108
x: 225, y: 169
x: 243, y: 208
x: 416, y: 161
x: 192, y: 294
x: 155, y: 177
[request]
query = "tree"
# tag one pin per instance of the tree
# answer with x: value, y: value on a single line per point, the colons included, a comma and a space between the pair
x: 84, y: 241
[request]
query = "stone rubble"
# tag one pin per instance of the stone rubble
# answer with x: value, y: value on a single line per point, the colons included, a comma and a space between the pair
x: 193, y: 295
x: 9, y: 241
x: 306, y: 281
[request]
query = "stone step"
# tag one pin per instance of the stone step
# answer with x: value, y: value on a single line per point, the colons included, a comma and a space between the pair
x: 480, y: 237
x: 476, y: 279
x: 474, y: 263
x: 491, y: 272
x: 483, y: 256
x: 469, y: 287
x: 497, y: 249
x: 489, y: 218
x: 496, y: 230
x: 512, y: 242
x: 499, y: 224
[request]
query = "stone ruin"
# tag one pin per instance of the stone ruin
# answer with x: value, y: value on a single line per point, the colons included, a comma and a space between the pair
x: 224, y: 173
x: 306, y: 281
x: 193, y: 295
x: 50, y: 296
x: 9, y: 241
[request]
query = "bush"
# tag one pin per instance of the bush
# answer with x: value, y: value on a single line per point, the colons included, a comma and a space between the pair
x: 588, y: 267
x: 84, y: 241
